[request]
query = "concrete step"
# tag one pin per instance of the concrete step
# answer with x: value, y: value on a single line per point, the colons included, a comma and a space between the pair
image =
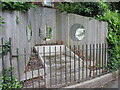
x: 35, y: 74
x: 34, y: 82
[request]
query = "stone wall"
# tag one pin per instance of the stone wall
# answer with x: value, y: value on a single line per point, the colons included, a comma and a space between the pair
x: 16, y: 27
x: 95, y: 31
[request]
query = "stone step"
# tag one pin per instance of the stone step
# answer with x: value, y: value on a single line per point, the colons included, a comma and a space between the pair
x: 36, y: 82
x: 35, y: 74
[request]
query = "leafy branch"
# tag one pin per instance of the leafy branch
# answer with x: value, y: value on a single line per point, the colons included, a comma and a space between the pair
x: 18, y: 6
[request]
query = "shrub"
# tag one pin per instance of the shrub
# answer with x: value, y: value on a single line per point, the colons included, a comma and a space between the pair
x: 113, y: 38
x: 18, y: 6
x: 9, y: 81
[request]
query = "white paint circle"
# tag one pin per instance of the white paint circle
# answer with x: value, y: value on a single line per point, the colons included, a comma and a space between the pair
x: 80, y: 33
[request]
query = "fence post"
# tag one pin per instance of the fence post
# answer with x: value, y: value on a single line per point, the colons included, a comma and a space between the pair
x: 86, y: 61
x: 50, y: 66
x: 3, y: 68
x: 93, y: 58
x: 82, y: 61
x: 106, y: 56
x: 96, y: 58
x: 25, y: 65
x: 55, y: 68
x: 70, y: 63
x: 90, y: 60
x: 61, y: 65
x: 11, y: 61
x: 74, y: 65
x: 45, y: 69
x: 102, y: 57
x: 18, y: 64
x: 38, y: 68
x: 78, y: 63
x: 99, y: 57
x: 65, y: 67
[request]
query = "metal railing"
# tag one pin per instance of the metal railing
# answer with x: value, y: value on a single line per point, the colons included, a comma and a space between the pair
x: 55, y: 65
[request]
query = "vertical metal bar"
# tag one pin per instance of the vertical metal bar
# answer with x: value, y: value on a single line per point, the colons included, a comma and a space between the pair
x: 65, y: 67
x: 107, y: 60
x: 60, y: 67
x: 55, y: 68
x: 74, y: 65
x: 38, y: 68
x: 102, y: 57
x: 78, y: 63
x: 99, y: 57
x: 11, y: 61
x: 82, y: 61
x: 18, y: 64
x: 93, y: 58
x: 32, y: 76
x: 96, y: 58
x: 90, y: 59
x: 3, y: 68
x: 25, y: 64
x: 70, y: 63
x: 105, y: 57
x: 86, y: 61
x: 50, y: 66
x: 44, y: 66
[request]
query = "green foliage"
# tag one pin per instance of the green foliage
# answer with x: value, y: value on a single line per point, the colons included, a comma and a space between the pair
x: 6, y: 48
x: 90, y: 9
x: 113, y: 38
x: 115, y: 6
x: 50, y: 30
x: 1, y: 20
x: 30, y: 27
x: 18, y: 6
x: 49, y: 33
x: 31, y: 55
x: 8, y: 82
x: 17, y: 19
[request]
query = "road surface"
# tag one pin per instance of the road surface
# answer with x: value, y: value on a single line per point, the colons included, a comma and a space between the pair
x: 113, y: 84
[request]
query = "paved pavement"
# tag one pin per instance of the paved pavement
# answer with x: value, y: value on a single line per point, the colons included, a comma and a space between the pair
x: 113, y: 84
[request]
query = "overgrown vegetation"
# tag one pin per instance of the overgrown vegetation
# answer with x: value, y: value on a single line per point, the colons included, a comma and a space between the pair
x: 18, y: 6
x: 8, y: 81
x: 103, y: 12
x: 113, y: 38
x: 90, y: 9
